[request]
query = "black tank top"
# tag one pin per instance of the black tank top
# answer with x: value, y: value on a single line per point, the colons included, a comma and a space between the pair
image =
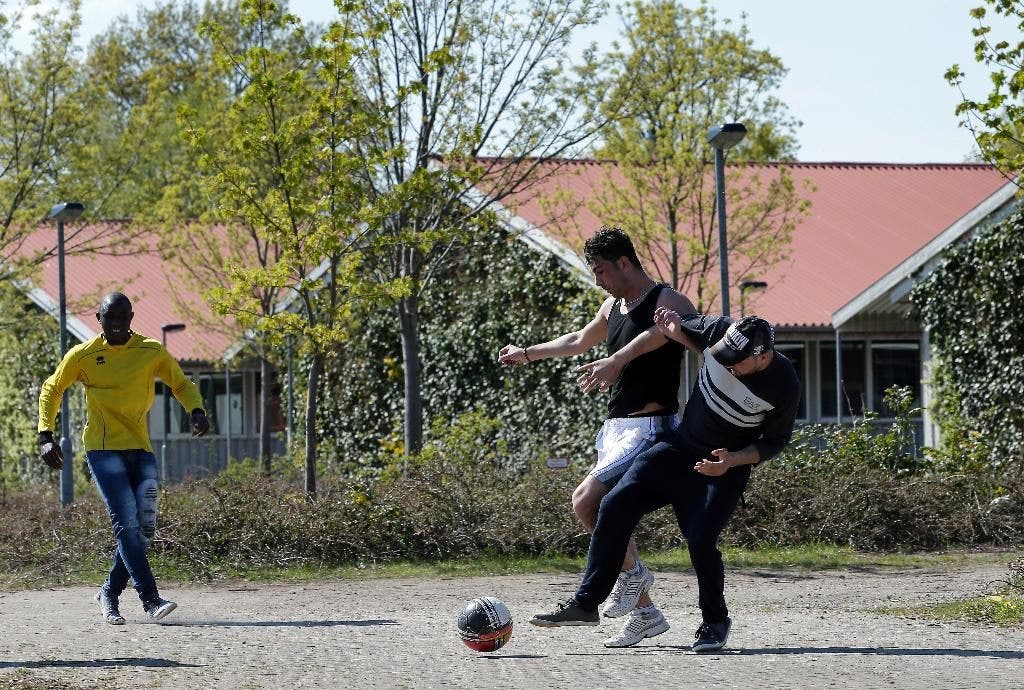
x: 653, y: 377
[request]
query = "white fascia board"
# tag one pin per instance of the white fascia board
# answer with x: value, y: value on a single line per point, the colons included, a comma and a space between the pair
x: 998, y: 200
x: 41, y: 299
x: 534, y: 237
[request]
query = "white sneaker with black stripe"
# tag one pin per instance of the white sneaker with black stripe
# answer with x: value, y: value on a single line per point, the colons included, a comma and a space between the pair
x: 640, y: 625
x: 629, y: 586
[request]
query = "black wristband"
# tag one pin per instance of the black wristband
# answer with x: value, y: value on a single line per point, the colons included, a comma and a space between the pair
x: 526, y: 353
x: 46, y: 437
x: 199, y: 410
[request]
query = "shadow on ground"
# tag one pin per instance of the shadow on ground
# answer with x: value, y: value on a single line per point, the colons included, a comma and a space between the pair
x: 279, y: 624
x: 117, y: 662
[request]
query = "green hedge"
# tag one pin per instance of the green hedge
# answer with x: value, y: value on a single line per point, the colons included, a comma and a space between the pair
x: 972, y: 307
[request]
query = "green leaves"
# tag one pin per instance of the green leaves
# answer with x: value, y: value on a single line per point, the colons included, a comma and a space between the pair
x: 45, y: 119
x: 971, y: 307
x: 681, y: 70
x: 996, y: 120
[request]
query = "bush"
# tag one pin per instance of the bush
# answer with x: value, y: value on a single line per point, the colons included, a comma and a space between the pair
x: 463, y: 497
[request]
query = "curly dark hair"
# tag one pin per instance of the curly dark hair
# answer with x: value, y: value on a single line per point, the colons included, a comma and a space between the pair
x: 610, y: 243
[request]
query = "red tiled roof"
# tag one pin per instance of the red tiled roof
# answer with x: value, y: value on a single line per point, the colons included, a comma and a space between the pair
x: 142, y: 276
x: 864, y: 219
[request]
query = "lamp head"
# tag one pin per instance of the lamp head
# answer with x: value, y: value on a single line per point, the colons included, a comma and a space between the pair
x: 67, y: 210
x: 753, y: 285
x: 172, y: 327
x: 726, y: 136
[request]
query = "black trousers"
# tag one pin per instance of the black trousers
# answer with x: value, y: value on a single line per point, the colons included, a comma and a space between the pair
x: 661, y: 476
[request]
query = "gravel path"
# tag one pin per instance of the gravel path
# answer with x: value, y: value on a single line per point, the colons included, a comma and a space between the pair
x: 791, y: 629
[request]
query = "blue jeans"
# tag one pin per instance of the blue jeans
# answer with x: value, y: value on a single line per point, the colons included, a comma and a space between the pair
x: 661, y: 476
x: 127, y: 480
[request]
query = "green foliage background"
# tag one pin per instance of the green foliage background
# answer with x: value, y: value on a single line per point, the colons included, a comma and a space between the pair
x: 494, y: 290
x: 29, y: 347
x: 971, y: 305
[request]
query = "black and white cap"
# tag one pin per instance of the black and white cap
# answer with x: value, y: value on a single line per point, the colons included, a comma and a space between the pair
x: 747, y: 337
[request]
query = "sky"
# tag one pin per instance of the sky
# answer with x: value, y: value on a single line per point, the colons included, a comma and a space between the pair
x: 865, y: 76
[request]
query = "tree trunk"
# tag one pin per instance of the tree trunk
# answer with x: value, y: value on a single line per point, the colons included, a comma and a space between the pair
x: 311, y: 404
x: 408, y: 315
x: 266, y: 454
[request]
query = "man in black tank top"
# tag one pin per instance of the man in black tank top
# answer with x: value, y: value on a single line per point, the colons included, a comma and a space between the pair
x: 642, y: 374
x: 740, y: 413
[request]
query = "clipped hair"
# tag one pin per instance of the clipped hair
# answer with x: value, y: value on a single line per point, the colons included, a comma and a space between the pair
x: 610, y: 243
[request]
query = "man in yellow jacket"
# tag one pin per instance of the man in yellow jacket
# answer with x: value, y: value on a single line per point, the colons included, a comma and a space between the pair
x: 118, y: 368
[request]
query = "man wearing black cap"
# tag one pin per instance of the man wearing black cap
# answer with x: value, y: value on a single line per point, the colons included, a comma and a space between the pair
x: 740, y: 412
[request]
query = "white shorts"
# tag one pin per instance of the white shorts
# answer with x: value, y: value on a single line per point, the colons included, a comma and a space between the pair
x: 622, y: 439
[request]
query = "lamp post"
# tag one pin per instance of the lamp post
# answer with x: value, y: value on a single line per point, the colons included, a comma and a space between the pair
x: 722, y: 137
x: 749, y: 285
x: 164, y: 330
x: 68, y: 210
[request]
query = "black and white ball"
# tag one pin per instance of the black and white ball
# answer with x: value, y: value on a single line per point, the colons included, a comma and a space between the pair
x: 485, y: 624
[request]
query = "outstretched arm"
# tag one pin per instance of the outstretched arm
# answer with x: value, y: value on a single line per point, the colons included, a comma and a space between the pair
x: 564, y: 345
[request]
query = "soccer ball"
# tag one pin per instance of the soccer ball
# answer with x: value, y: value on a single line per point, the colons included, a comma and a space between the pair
x: 485, y: 624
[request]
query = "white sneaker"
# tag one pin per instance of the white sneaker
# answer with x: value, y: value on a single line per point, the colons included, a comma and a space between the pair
x: 627, y: 591
x: 639, y: 627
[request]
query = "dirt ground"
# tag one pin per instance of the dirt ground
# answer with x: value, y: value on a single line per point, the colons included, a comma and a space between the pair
x: 791, y: 629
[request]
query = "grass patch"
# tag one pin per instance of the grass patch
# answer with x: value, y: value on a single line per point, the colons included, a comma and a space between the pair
x: 810, y: 557
x: 826, y: 557
x: 807, y: 557
x: 1004, y: 610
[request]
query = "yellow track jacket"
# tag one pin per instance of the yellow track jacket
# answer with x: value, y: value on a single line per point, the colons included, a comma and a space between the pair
x: 119, y: 390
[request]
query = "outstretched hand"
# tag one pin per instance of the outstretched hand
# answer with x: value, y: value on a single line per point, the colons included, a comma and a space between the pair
x: 512, y: 355
x: 599, y: 374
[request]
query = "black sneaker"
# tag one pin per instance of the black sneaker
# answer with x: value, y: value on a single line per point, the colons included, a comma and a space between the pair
x: 158, y: 608
x: 566, y: 613
x: 108, y: 607
x: 710, y: 637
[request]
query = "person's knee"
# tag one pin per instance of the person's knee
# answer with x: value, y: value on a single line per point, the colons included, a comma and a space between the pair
x: 586, y: 500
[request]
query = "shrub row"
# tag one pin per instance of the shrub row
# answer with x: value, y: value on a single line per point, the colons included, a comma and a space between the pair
x: 445, y: 509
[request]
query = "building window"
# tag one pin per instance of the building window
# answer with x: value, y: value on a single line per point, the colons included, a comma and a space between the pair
x: 797, y: 354
x: 854, y: 377
x: 213, y: 388
x: 894, y: 364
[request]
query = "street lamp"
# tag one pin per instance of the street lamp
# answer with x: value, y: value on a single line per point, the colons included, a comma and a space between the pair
x: 723, y: 137
x: 164, y: 330
x: 749, y: 285
x: 68, y: 210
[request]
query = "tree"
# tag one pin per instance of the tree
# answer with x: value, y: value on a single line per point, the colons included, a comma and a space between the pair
x: 148, y: 68
x: 680, y: 72
x: 291, y: 170
x: 458, y: 81
x: 997, y: 122
x: 42, y: 110
x: 143, y: 69
x: 28, y: 349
